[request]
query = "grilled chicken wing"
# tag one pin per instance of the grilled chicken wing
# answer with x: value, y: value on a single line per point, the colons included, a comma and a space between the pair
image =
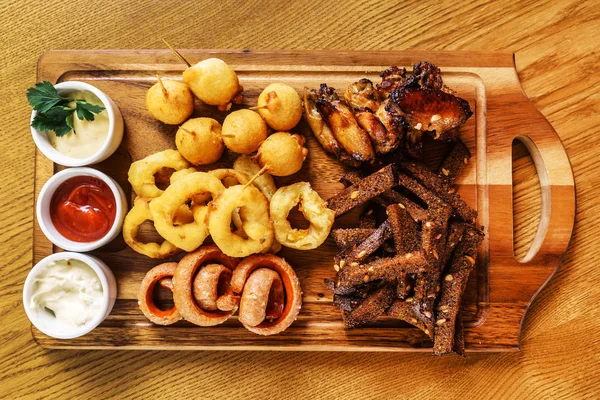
x: 383, y: 140
x: 362, y: 94
x: 391, y: 121
x: 320, y: 129
x: 427, y: 75
x: 430, y: 110
x: 352, y: 138
x: 391, y: 78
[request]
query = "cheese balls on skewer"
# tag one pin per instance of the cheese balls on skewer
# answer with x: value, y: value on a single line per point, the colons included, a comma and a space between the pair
x: 282, y: 154
x: 243, y: 131
x: 199, y: 141
x: 214, y: 82
x: 280, y: 106
x: 170, y: 101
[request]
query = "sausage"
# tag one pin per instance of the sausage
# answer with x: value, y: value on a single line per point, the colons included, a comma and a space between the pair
x: 262, y: 298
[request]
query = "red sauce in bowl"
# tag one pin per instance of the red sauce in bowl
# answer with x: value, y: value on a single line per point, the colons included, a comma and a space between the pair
x: 83, y: 209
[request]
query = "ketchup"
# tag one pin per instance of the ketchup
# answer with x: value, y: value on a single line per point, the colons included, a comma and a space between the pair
x: 83, y: 209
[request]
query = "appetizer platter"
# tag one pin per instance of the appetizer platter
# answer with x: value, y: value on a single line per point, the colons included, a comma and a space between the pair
x: 256, y: 200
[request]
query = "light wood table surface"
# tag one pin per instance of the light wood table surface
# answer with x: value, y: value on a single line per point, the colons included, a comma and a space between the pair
x: 557, y: 46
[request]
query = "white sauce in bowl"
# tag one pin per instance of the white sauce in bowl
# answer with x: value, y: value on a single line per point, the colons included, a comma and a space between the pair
x: 89, y: 136
x: 68, y: 289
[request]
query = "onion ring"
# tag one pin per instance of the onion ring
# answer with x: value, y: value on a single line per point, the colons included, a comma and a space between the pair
x: 254, y: 211
x: 314, y: 209
x: 162, y: 274
x: 184, y: 214
x: 188, y: 236
x: 183, y: 285
x: 131, y: 225
x: 228, y: 177
x: 177, y: 175
x: 293, y: 293
x: 141, y: 173
x: 264, y: 182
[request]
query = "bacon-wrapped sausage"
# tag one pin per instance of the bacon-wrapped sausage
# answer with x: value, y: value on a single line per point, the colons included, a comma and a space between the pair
x: 261, y: 308
x: 162, y: 275
x: 197, y: 299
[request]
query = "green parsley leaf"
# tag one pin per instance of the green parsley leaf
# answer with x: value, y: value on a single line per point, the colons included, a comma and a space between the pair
x: 86, y: 110
x: 53, y: 111
x: 69, y: 122
x: 44, y: 96
x: 56, y: 123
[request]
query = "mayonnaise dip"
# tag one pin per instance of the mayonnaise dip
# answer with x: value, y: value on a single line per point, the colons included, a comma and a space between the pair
x: 70, y: 289
x: 89, y: 136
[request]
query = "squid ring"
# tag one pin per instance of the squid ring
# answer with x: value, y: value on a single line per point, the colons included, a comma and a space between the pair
x: 131, y: 225
x: 187, y: 236
x: 161, y: 274
x: 314, y: 209
x: 227, y: 176
x: 256, y: 224
x: 242, y: 282
x: 264, y: 182
x: 183, y: 285
x: 141, y: 172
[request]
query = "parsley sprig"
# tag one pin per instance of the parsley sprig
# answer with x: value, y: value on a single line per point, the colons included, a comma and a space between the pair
x: 53, y: 110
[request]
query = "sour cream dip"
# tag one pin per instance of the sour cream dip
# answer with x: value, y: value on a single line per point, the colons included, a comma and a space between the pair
x: 69, y: 290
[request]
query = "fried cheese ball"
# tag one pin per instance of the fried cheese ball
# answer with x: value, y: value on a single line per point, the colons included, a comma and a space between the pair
x: 243, y: 131
x: 169, y: 101
x: 283, y: 107
x: 282, y: 153
x: 199, y: 141
x: 214, y: 82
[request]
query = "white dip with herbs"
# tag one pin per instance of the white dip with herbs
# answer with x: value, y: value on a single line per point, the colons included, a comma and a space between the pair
x: 88, y: 136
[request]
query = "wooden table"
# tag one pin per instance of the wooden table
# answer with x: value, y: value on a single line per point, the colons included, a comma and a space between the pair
x: 556, y: 46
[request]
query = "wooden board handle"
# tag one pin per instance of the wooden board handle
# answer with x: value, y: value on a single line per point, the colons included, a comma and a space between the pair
x: 557, y: 198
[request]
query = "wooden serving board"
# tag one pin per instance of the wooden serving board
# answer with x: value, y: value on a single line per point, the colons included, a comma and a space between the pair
x: 499, y: 291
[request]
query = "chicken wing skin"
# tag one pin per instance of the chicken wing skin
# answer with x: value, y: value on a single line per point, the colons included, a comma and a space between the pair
x: 352, y: 138
x: 384, y: 141
x: 430, y: 110
x: 362, y: 94
x: 391, y: 78
x: 320, y: 129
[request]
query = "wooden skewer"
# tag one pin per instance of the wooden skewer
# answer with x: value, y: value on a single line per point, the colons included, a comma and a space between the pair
x: 259, y: 173
x: 194, y: 133
x: 177, y: 53
x: 187, y: 130
x: 257, y: 108
x: 162, y: 86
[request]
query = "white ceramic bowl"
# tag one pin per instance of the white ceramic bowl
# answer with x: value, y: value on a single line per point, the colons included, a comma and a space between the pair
x: 46, y: 322
x: 113, y: 139
x: 43, y: 209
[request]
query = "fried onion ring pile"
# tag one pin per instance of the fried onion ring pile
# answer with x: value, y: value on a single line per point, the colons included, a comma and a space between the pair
x: 240, y: 220
x: 314, y: 209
